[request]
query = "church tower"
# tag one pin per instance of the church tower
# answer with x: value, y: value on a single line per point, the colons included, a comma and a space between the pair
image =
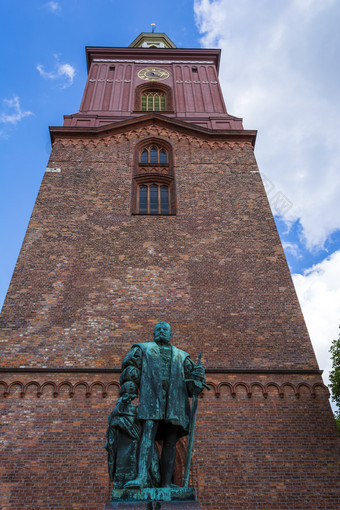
x: 152, y: 209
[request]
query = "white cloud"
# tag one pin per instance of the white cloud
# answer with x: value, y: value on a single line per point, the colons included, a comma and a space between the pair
x: 54, y: 7
x: 63, y: 73
x: 292, y: 248
x: 15, y: 114
x: 318, y: 289
x: 68, y: 71
x: 44, y: 74
x: 312, y: 7
x: 278, y: 72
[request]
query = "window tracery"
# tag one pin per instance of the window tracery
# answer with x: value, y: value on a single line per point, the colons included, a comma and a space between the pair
x: 153, y: 101
x: 154, y: 155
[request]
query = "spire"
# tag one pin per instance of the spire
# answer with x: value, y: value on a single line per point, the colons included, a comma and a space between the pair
x: 152, y: 40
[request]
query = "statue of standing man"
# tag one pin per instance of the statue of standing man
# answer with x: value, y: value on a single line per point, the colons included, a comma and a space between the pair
x: 164, y: 378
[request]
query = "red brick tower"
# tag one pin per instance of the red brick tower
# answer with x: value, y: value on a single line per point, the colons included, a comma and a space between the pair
x: 152, y: 208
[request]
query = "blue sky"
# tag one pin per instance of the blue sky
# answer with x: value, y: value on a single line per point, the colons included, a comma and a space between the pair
x: 279, y: 71
x: 51, y: 35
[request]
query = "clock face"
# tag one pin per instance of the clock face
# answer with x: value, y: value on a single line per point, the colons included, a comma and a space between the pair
x: 153, y: 74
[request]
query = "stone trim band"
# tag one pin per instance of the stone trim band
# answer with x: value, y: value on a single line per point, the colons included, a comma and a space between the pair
x: 211, y: 370
x: 282, y: 389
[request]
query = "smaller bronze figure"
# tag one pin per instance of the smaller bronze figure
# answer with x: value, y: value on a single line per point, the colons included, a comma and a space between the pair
x: 164, y: 377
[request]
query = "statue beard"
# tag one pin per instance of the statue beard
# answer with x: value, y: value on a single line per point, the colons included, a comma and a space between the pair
x: 162, y: 340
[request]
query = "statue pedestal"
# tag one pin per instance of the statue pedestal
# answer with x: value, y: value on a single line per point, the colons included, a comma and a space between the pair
x: 153, y: 499
x: 152, y: 494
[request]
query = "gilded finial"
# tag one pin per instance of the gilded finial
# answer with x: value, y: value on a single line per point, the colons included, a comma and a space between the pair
x: 153, y: 27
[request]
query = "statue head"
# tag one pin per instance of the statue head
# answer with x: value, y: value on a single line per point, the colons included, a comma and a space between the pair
x: 162, y: 333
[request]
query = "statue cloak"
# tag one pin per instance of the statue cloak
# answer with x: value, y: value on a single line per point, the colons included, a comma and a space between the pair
x: 177, y: 409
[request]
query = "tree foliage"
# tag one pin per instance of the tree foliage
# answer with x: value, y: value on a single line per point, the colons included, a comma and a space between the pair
x: 337, y: 419
x: 334, y: 377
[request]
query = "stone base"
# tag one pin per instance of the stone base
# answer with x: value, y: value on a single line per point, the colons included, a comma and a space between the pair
x: 152, y: 494
x: 152, y: 505
x: 153, y: 499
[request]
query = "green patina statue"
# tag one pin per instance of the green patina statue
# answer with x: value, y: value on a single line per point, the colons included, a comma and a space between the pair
x: 164, y: 378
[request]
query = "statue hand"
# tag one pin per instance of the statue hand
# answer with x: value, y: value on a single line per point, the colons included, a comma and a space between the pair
x: 128, y: 397
x: 198, y: 373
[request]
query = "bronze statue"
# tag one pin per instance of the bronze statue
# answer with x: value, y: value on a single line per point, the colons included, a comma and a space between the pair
x: 164, y: 377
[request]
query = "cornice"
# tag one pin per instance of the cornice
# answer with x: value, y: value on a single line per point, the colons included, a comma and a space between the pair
x: 124, y: 126
x: 173, y: 54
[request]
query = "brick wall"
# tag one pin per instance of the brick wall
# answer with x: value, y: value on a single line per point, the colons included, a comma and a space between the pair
x: 270, y: 452
x: 92, y: 279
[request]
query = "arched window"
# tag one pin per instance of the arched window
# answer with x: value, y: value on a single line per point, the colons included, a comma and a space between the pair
x: 153, y: 101
x: 144, y: 157
x: 154, y: 190
x: 155, y: 97
x: 154, y: 155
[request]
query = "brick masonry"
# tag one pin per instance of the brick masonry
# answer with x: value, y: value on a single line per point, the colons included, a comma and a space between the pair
x: 92, y: 279
x: 250, y: 451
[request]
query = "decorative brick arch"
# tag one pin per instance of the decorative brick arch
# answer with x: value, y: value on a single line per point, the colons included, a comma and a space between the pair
x: 154, y: 87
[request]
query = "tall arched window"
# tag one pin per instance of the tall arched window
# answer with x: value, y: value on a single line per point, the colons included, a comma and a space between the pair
x: 153, y: 101
x: 154, y: 190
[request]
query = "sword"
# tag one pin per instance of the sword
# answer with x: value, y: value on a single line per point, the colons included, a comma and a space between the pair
x: 198, y: 386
